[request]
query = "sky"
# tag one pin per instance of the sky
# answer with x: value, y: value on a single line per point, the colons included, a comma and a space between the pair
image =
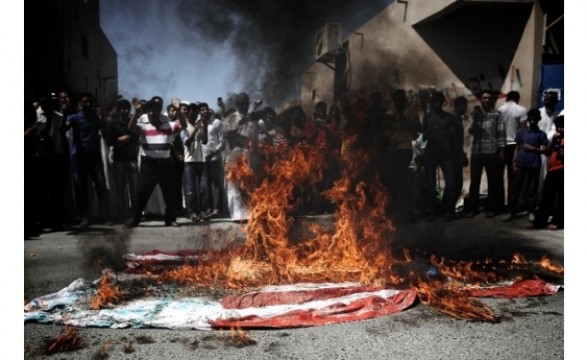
x: 200, y: 50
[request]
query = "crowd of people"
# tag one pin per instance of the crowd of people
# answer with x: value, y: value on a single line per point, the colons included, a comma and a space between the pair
x: 107, y: 163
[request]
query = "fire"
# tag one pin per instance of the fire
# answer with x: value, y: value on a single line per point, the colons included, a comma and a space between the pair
x: 66, y: 341
x: 240, y: 338
x: 358, y: 249
x: 545, y: 263
x: 107, y: 291
x: 455, y: 303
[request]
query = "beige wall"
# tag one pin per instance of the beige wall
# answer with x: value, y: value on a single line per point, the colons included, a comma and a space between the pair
x: 387, y: 53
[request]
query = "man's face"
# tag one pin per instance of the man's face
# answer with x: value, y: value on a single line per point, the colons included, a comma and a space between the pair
x: 86, y: 104
x: 486, y: 101
x: 205, y: 112
x: 124, y: 112
x: 171, y: 112
x: 320, y: 113
x: 114, y: 113
x: 243, y: 105
x: 64, y: 100
x: 184, y: 110
x: 550, y: 100
x: 533, y: 121
x: 153, y: 115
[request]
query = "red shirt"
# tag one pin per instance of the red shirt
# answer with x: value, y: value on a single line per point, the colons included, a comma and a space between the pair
x: 555, y: 162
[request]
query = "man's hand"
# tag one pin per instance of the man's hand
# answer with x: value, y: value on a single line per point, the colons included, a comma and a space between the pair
x: 175, y: 101
x: 136, y: 103
x: 123, y: 138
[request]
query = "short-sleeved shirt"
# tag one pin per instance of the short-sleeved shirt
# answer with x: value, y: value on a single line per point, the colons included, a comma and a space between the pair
x: 555, y: 162
x: 530, y: 159
x: 86, y: 133
x: 156, y: 140
x: 193, y: 152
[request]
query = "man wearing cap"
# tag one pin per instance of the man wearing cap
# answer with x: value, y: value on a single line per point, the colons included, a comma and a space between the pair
x: 156, y: 132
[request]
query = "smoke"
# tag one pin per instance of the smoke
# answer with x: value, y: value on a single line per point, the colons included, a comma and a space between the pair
x: 270, y: 43
x: 104, y: 248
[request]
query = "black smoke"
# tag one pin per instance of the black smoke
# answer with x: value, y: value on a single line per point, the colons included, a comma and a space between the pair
x: 272, y: 40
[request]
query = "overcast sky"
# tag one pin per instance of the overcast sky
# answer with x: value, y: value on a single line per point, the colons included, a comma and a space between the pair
x: 199, y: 50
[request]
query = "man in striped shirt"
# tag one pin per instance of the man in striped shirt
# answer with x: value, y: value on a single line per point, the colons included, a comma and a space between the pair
x: 156, y: 132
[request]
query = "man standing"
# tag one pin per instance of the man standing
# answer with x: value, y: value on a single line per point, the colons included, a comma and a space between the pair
x: 440, y: 130
x: 513, y: 117
x: 124, y: 157
x: 241, y: 134
x: 193, y: 138
x: 156, y: 132
x: 214, y: 168
x: 487, y: 151
x: 546, y: 124
x: 86, y: 158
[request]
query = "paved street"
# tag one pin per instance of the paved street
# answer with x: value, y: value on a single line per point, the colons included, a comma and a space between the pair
x: 530, y: 328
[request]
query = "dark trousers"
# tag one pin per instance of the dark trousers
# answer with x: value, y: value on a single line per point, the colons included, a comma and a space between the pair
x: 402, y: 207
x: 126, y: 178
x: 196, y: 187
x: 489, y: 163
x: 552, y: 201
x: 526, y: 178
x: 86, y: 167
x: 507, y: 164
x: 51, y: 199
x: 215, y: 172
x: 153, y: 172
x: 447, y: 166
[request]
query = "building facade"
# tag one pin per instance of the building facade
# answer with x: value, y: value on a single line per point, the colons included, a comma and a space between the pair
x: 456, y: 46
x: 65, y: 48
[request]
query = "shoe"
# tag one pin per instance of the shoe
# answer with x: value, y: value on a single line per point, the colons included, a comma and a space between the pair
x: 531, y: 217
x: 489, y: 214
x: 507, y: 217
x: 84, y: 223
x: 551, y: 227
x: 195, y: 218
x: 131, y: 223
x: 172, y: 223
x: 470, y: 214
x: 212, y: 214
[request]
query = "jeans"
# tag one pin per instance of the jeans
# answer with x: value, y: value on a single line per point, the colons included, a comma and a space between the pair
x: 86, y: 166
x: 196, y: 187
x: 215, y: 171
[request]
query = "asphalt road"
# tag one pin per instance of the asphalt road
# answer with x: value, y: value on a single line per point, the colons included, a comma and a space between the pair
x: 530, y: 328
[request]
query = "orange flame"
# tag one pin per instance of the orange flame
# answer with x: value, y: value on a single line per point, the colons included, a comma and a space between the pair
x: 359, y: 247
x: 66, y: 341
x: 107, y: 292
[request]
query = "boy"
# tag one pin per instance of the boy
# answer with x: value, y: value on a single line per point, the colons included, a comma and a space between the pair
x: 530, y: 144
x: 554, y: 184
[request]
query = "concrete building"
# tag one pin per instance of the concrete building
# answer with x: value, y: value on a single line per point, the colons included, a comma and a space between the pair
x: 456, y: 46
x: 65, y: 48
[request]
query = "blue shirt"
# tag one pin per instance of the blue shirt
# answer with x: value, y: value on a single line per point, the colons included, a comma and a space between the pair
x: 536, y: 138
x: 86, y: 133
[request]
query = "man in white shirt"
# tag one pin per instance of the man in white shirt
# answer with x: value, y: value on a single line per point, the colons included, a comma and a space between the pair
x: 514, y: 116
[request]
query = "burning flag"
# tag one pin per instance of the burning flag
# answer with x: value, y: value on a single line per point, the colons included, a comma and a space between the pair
x: 330, y: 276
